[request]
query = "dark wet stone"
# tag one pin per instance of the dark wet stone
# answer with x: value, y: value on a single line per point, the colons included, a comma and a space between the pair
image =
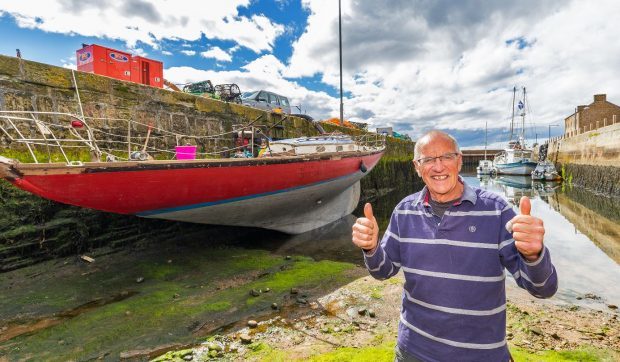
x: 139, y: 279
x: 555, y: 336
x: 274, y: 306
x: 245, y: 339
x: 252, y: 323
x: 371, y: 313
x: 254, y: 293
x: 612, y: 306
x: 302, y: 301
x: 592, y: 296
x: 579, y: 298
x: 361, y: 311
x: 294, y: 291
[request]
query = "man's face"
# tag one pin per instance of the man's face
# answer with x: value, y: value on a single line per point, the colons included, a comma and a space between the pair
x: 440, y: 175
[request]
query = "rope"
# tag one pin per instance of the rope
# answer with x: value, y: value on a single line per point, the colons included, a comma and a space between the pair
x: 77, y: 92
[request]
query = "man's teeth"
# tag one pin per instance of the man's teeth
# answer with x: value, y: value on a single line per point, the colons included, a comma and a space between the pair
x: 439, y: 177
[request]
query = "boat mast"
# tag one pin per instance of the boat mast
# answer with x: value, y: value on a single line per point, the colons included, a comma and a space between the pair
x: 512, y: 120
x: 485, y: 141
x: 523, y: 121
x: 340, y: 54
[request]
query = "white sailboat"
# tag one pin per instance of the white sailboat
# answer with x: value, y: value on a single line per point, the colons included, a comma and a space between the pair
x: 516, y: 159
x: 485, y: 167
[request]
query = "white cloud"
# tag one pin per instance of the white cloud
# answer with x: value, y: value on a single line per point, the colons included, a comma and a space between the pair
x: 189, y: 52
x: 421, y: 65
x: 149, y: 22
x: 218, y: 54
x: 413, y: 65
x: 165, y: 52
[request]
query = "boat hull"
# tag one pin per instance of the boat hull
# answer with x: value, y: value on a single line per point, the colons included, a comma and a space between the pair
x: 290, y: 194
x: 515, y: 168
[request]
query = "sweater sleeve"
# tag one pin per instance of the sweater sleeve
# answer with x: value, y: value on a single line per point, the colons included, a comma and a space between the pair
x: 539, y: 277
x: 384, y: 262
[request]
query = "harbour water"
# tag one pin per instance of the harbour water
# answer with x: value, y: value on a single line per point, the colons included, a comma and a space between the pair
x: 583, y: 238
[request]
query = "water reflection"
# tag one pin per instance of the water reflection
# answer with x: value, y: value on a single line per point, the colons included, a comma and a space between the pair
x: 582, y: 232
x: 584, y: 240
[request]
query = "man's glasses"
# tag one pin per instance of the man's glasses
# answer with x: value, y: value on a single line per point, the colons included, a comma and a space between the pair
x: 446, y: 157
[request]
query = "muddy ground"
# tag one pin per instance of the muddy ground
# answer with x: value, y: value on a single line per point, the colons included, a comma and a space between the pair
x: 185, y: 301
x: 359, y: 322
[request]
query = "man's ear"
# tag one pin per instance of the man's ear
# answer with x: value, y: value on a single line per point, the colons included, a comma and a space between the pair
x: 415, y: 166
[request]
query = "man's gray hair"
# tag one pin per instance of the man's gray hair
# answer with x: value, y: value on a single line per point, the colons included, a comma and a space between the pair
x: 426, y: 138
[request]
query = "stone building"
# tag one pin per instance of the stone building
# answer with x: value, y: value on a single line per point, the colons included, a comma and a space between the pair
x: 597, y: 114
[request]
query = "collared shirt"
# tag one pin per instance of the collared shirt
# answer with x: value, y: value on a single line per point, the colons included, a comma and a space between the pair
x: 454, y: 299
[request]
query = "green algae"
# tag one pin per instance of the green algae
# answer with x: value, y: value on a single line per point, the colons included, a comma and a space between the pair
x: 384, y: 351
x: 175, y: 300
x: 582, y: 355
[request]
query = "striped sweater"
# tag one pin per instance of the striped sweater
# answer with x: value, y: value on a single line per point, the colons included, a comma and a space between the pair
x: 454, y: 298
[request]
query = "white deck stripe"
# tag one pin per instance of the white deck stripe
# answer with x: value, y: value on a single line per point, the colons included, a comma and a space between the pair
x: 472, y: 278
x: 457, y: 310
x: 451, y: 342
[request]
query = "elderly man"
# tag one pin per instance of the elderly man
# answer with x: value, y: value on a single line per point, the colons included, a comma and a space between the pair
x: 452, y: 242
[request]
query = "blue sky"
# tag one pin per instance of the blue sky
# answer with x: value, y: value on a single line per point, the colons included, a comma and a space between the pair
x: 412, y: 65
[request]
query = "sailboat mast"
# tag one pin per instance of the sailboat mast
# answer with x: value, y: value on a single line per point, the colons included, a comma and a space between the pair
x: 512, y: 120
x: 523, y: 119
x: 485, y: 140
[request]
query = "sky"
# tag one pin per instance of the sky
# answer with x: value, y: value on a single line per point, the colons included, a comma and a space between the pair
x: 413, y: 65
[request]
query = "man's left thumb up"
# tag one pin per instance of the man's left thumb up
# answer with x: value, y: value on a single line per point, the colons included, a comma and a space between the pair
x: 525, y: 206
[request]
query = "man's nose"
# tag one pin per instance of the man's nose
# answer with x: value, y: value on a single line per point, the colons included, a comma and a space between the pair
x: 437, y: 164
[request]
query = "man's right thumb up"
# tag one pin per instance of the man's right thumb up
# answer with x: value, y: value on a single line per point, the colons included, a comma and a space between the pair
x: 368, y: 212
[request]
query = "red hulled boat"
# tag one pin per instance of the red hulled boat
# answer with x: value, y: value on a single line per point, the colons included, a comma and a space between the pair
x: 298, y: 184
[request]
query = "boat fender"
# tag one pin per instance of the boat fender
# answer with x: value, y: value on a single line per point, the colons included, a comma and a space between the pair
x: 363, y: 167
x: 138, y: 156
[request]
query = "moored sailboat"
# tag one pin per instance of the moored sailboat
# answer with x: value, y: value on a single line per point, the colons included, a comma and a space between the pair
x: 516, y: 159
x: 485, y: 167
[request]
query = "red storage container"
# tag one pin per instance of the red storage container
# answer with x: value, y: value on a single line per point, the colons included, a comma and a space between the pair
x: 120, y: 65
x: 104, y: 61
x: 147, y: 71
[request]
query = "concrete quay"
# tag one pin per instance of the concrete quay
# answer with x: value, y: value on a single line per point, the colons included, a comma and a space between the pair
x: 590, y: 159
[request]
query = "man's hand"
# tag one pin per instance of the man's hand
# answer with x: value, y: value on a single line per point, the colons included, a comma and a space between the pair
x: 366, y: 230
x: 527, y: 231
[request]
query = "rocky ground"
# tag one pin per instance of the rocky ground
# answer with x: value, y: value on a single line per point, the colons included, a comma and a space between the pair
x: 359, y: 321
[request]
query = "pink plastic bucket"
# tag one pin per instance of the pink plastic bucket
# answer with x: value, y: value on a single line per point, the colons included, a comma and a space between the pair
x: 186, y: 152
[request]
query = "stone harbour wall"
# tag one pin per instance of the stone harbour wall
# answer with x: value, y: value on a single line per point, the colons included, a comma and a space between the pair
x: 590, y: 159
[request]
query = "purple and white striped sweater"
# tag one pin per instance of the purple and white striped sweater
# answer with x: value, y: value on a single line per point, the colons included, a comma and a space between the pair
x: 454, y: 298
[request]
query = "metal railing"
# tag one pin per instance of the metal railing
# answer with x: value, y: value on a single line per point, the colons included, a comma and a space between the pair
x: 57, y: 136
